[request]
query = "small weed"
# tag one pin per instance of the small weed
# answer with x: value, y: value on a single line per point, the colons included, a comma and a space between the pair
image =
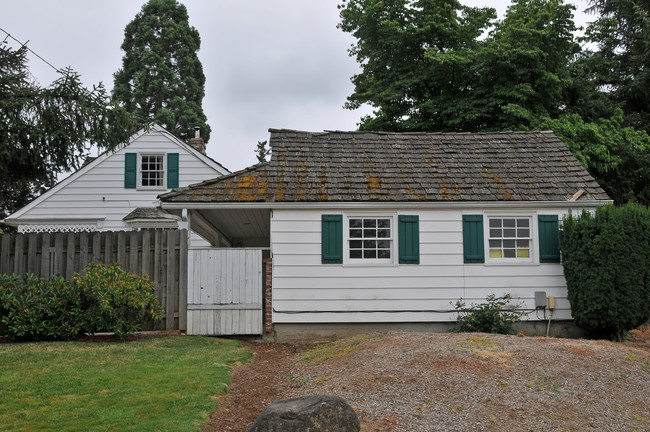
x: 323, y: 352
x: 321, y: 379
x: 493, y: 419
x: 544, y: 385
x: 457, y: 408
x: 503, y: 383
x: 636, y: 358
x: 639, y: 418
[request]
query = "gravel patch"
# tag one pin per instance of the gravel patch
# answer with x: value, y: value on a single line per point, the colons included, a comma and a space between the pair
x: 478, y: 382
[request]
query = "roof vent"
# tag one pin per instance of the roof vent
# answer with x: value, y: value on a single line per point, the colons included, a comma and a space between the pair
x: 197, y: 142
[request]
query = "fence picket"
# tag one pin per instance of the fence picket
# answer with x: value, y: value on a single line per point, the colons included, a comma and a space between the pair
x: 18, y: 256
x: 45, y: 256
x: 5, y: 244
x: 171, y: 249
x: 70, y: 256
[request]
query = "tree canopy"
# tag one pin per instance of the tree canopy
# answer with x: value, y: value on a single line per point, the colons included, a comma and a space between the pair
x: 161, y: 79
x: 429, y: 65
x: 45, y: 131
x: 425, y: 66
x: 617, y: 72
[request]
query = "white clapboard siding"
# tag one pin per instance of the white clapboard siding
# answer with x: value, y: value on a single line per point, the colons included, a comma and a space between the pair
x: 304, y: 290
x: 97, y: 191
x: 224, y: 292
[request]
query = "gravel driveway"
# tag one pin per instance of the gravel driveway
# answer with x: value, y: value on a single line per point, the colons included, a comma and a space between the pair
x: 408, y: 381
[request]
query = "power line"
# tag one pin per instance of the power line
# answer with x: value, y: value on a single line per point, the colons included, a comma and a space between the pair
x: 31, y: 50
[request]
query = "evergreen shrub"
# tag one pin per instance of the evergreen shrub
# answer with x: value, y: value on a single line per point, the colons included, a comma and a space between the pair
x: 606, y: 259
x: 117, y: 301
x: 102, y: 299
x: 41, y: 309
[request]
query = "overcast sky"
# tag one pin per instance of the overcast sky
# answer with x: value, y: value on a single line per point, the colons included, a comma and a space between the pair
x: 268, y: 63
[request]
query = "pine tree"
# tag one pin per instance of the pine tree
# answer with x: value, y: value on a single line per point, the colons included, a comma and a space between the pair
x: 161, y: 79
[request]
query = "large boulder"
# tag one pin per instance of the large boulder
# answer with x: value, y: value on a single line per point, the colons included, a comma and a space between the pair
x: 320, y: 413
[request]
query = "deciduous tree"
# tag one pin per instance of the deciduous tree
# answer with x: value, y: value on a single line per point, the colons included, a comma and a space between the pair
x: 426, y: 67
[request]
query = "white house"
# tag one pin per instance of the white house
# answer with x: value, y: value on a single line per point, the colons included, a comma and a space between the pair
x: 373, y: 230
x: 117, y: 190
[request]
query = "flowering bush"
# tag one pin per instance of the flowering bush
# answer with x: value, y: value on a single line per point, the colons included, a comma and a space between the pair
x: 116, y: 300
x: 495, y: 316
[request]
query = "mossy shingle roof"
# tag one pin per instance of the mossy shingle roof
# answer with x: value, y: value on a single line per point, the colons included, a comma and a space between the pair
x: 404, y: 167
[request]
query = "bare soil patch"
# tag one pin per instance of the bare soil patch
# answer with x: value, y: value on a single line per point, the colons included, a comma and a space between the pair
x: 405, y: 381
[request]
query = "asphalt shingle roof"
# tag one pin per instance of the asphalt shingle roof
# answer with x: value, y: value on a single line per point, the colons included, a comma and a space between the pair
x: 404, y: 167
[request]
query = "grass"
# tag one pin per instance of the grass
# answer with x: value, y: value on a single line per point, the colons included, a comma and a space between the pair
x: 161, y: 384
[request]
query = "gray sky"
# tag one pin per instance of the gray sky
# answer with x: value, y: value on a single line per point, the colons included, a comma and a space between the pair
x: 268, y: 63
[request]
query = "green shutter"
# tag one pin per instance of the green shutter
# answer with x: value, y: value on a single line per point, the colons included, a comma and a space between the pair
x: 172, y: 170
x: 549, y: 240
x: 409, y: 239
x: 332, y: 239
x: 130, y: 170
x: 473, y: 249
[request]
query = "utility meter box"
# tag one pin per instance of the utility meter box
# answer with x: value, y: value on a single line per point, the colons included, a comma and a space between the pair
x: 540, y: 299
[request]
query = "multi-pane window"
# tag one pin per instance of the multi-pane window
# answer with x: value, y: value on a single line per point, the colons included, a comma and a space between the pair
x: 152, y: 171
x: 509, y: 237
x: 370, y: 238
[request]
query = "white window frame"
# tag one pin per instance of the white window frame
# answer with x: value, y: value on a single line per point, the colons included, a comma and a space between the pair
x: 392, y: 261
x: 533, y: 237
x: 163, y: 186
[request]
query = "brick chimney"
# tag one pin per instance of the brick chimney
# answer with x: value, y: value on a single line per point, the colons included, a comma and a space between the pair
x: 197, y: 142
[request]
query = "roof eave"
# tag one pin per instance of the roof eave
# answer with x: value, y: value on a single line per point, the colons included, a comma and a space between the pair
x: 433, y: 205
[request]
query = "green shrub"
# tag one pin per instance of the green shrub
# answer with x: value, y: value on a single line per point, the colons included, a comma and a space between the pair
x: 606, y: 259
x: 117, y: 301
x: 38, y: 309
x: 103, y: 299
x: 494, y: 316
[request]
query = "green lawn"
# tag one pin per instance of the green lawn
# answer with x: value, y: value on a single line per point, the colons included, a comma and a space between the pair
x: 162, y: 384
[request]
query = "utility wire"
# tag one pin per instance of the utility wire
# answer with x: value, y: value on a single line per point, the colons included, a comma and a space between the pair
x: 24, y: 44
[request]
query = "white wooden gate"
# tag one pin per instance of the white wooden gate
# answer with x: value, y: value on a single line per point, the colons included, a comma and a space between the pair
x: 224, y: 292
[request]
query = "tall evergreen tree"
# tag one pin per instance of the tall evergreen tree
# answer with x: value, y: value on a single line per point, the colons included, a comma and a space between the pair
x: 161, y: 79
x: 616, y: 74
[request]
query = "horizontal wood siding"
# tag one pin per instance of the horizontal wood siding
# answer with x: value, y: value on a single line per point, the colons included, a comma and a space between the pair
x: 304, y: 290
x: 161, y: 254
x: 99, y: 191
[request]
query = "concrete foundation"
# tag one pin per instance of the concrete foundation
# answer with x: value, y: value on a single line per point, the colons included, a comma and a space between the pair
x: 323, y: 332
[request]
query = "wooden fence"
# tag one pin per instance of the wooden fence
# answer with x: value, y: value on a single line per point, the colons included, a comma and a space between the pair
x: 161, y: 254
